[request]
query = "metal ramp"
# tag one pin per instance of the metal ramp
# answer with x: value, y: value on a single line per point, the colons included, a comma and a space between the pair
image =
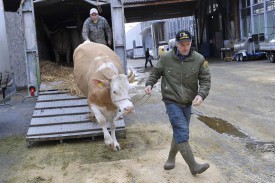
x: 59, y: 115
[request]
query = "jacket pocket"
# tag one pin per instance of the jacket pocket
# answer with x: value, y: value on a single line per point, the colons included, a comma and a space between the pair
x: 173, y: 74
x: 191, y: 79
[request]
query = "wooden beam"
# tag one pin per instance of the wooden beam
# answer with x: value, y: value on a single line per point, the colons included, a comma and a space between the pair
x: 163, y: 2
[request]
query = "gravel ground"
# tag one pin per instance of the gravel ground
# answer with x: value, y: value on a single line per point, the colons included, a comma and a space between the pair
x: 233, y: 130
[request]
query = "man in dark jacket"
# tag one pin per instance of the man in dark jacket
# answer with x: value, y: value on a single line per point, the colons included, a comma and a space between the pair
x: 148, y: 58
x: 95, y: 27
x: 185, y: 82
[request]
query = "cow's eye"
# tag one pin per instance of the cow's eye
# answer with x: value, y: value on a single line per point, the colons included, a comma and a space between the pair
x: 114, y: 92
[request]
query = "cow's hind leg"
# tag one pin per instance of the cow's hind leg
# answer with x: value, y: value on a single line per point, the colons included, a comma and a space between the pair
x: 102, y: 122
x: 57, y: 56
x: 68, y: 57
x: 113, y: 134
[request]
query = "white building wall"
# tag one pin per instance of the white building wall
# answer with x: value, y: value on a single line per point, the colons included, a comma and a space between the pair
x: 133, y: 34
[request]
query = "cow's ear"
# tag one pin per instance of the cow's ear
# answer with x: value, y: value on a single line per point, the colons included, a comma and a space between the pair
x: 100, y: 83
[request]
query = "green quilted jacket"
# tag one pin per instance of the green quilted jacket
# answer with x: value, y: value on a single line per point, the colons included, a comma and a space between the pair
x: 181, y: 80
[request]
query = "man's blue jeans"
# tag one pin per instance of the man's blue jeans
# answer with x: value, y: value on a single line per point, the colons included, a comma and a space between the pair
x: 179, y: 118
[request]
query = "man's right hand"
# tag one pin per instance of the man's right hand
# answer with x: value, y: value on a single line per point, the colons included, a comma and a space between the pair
x: 148, y: 89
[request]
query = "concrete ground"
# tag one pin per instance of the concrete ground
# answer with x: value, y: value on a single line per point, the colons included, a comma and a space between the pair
x: 15, y: 118
x: 233, y: 130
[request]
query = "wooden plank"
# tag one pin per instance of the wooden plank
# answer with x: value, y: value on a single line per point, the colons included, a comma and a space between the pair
x: 59, y: 119
x: 228, y: 59
x: 53, y: 92
x: 156, y: 3
x: 68, y: 128
x: 69, y: 135
x: 62, y: 96
x: 62, y: 103
x: 60, y: 111
x: 58, y: 129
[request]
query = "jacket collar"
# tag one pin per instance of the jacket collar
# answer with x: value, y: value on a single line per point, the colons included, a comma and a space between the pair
x: 181, y: 57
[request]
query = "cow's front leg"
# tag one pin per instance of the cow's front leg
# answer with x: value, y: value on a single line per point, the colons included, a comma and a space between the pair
x: 113, y: 134
x: 92, y: 115
x: 102, y: 122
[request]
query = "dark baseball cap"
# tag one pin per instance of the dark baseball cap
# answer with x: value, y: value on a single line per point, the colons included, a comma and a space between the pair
x: 183, y: 36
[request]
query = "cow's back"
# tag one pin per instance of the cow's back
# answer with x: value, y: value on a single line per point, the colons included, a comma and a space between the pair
x: 85, y: 64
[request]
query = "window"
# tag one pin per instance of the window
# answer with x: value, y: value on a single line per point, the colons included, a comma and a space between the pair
x: 270, y: 5
x: 258, y: 9
x: 258, y: 1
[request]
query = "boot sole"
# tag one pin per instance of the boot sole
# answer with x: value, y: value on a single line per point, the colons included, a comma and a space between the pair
x: 169, y: 168
x: 202, y: 169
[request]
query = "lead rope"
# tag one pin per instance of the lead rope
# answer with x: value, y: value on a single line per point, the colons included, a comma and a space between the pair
x: 149, y: 95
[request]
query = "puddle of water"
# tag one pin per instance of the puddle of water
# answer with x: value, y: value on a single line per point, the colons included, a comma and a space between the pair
x: 262, y: 146
x: 222, y: 126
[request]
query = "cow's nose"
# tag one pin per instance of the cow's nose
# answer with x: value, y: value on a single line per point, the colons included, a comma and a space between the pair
x: 129, y: 109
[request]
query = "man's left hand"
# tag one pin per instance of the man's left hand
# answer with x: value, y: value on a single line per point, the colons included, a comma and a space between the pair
x: 197, y: 101
x: 109, y: 43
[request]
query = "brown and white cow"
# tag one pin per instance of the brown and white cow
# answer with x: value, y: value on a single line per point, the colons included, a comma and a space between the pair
x: 99, y: 75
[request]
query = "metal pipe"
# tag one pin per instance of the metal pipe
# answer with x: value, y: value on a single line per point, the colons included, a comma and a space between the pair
x: 241, y: 20
x: 265, y: 19
x: 252, y: 16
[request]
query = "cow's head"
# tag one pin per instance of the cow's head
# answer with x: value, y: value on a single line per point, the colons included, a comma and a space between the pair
x: 119, y: 90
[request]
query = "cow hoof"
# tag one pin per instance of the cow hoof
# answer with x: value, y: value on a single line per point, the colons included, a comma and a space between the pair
x: 109, y: 146
x: 118, y: 148
x: 115, y: 148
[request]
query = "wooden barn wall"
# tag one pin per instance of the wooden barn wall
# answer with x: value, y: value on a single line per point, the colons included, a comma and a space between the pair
x: 16, y: 48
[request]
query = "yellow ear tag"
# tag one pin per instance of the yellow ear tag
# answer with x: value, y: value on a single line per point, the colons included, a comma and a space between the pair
x: 100, y: 85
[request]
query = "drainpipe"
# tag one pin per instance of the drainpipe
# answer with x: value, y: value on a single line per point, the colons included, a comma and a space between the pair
x: 154, y: 41
x: 252, y: 16
x: 241, y: 20
x: 236, y: 21
x: 265, y: 19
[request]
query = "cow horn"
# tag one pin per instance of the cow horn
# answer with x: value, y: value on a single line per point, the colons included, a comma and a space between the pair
x: 131, y: 76
x: 108, y: 74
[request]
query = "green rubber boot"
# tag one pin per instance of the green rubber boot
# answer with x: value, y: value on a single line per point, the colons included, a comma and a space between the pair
x: 170, y: 163
x: 188, y: 156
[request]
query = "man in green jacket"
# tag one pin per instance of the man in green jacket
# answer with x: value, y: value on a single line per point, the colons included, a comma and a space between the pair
x: 185, y: 82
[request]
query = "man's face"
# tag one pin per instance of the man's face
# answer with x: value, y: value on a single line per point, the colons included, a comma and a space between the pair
x: 184, y: 47
x: 94, y: 17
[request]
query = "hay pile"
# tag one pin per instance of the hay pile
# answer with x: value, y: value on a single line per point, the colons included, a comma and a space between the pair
x: 58, y: 77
